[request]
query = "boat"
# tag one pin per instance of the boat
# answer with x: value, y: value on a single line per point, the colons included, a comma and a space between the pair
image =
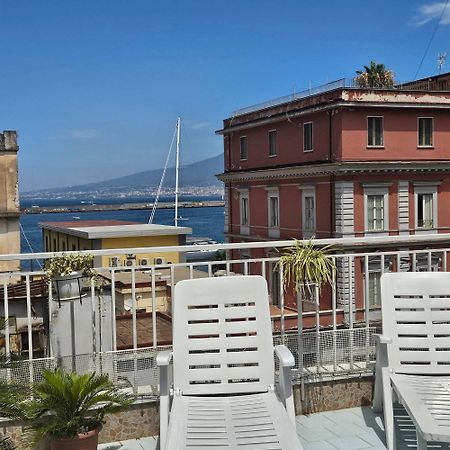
x: 199, y: 254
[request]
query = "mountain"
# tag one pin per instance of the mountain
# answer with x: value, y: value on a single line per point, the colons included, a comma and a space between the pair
x: 199, y: 174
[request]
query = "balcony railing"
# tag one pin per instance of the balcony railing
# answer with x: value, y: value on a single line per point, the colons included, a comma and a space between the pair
x: 110, y: 332
x: 421, y: 85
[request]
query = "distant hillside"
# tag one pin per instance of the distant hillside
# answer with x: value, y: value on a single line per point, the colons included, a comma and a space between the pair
x: 200, y: 174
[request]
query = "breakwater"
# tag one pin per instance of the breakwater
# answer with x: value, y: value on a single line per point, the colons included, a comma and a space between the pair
x: 119, y: 207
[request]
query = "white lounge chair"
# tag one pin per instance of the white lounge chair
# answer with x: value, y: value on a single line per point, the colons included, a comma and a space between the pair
x: 223, y: 370
x: 413, y: 354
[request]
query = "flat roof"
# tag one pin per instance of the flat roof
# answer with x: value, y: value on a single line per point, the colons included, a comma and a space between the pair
x: 99, y: 229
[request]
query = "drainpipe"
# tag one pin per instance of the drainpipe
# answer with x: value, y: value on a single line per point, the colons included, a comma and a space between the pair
x: 332, y: 176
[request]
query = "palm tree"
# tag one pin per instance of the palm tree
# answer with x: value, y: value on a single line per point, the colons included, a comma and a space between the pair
x: 374, y: 76
x: 65, y: 404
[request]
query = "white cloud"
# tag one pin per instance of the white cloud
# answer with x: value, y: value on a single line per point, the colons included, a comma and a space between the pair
x: 432, y: 11
x: 82, y: 134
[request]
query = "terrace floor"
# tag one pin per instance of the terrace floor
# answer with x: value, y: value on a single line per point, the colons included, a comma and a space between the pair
x: 346, y: 429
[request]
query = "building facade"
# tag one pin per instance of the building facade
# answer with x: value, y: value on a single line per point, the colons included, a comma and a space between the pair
x: 9, y: 200
x: 82, y: 235
x: 340, y: 162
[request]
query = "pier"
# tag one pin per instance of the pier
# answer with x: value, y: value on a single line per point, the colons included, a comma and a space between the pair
x: 118, y: 207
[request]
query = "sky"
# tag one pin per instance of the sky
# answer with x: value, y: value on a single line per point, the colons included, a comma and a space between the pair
x: 94, y: 87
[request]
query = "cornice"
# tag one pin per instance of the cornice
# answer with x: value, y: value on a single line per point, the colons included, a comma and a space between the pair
x: 344, y: 168
x: 273, y: 117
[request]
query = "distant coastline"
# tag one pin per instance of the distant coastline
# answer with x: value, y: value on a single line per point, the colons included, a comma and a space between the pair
x: 36, y: 209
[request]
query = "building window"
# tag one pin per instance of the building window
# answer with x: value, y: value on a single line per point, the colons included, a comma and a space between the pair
x: 244, y: 210
x: 375, y: 212
x: 243, y: 147
x: 425, y: 132
x: 376, y: 207
x: 308, y: 212
x: 374, y: 289
x: 275, y: 284
x: 274, y: 221
x: 376, y: 267
x: 307, y: 137
x: 375, y: 132
x: 425, y: 210
x: 273, y: 212
x: 273, y: 143
x: 425, y: 199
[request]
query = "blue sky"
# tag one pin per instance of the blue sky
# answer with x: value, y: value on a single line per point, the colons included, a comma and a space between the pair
x: 94, y: 86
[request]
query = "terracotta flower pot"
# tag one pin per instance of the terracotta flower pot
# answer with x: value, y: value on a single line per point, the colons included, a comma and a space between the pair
x: 84, y: 441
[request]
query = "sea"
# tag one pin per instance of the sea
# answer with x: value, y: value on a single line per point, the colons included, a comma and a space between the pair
x: 207, y: 222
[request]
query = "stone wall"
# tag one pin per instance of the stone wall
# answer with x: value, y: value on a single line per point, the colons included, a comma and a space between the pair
x: 333, y: 395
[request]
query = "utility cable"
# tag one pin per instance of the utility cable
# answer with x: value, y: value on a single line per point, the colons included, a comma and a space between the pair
x: 431, y: 39
x: 29, y: 243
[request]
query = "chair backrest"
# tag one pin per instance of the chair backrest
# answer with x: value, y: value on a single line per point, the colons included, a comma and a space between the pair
x: 416, y: 316
x: 222, y: 336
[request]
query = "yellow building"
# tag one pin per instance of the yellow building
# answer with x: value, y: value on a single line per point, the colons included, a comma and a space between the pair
x: 110, y: 234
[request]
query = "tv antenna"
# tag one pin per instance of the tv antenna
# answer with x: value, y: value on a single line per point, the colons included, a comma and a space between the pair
x: 441, y: 60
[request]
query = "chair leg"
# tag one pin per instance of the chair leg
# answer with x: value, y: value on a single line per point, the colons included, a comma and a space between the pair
x: 388, y: 409
x: 421, y: 442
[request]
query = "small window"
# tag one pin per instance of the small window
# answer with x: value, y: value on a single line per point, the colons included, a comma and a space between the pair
x: 375, y: 132
x: 244, y: 210
x: 425, y: 132
x: 375, y: 212
x: 374, y: 289
x: 308, y: 212
x: 273, y: 143
x: 274, y: 221
x: 243, y: 147
x: 425, y: 210
x: 307, y: 137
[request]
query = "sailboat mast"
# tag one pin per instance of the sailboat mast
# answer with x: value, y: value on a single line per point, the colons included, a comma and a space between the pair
x: 177, y: 163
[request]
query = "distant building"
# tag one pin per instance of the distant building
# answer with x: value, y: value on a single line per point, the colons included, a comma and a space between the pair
x: 110, y: 234
x: 9, y: 200
x: 339, y: 161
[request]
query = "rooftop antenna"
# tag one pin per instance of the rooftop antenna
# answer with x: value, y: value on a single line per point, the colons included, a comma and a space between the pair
x: 441, y: 60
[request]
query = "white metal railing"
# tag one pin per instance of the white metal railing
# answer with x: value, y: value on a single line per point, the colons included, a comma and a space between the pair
x: 342, y: 83
x: 333, y: 336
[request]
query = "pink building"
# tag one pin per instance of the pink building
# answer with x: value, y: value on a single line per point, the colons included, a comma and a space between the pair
x: 340, y: 161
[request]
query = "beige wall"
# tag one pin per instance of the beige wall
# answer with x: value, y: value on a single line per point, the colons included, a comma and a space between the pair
x: 55, y: 241
x: 142, y: 241
x: 9, y: 200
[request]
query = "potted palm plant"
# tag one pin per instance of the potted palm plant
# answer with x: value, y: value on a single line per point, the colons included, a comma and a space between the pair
x: 67, y: 272
x: 68, y: 409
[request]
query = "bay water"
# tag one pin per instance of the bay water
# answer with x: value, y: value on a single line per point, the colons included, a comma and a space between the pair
x: 205, y: 222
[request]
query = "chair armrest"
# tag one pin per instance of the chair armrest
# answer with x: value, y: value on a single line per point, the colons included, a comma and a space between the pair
x: 381, y: 363
x: 381, y: 339
x: 285, y: 392
x: 164, y: 358
x: 285, y: 356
